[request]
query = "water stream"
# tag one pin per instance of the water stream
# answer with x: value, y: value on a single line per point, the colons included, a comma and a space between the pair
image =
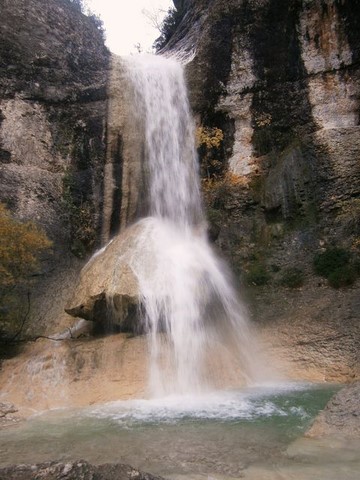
x: 249, y: 433
x: 188, y: 304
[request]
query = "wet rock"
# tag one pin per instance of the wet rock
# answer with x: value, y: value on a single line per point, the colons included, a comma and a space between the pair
x: 108, y: 290
x: 7, y: 417
x: 77, y: 470
x: 6, y: 408
x: 341, y: 415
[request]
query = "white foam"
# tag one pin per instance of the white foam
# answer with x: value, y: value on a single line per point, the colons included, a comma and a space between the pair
x: 246, y: 404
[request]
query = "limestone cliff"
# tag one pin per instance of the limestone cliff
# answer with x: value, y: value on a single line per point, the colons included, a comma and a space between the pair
x: 280, y: 78
x: 53, y: 76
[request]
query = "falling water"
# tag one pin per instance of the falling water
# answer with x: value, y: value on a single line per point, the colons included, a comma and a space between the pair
x: 188, y: 304
x: 160, y: 98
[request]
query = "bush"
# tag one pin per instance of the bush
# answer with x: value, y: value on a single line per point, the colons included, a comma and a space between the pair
x: 21, y: 243
x: 356, y: 265
x: 292, y: 277
x: 257, y: 275
x: 337, y: 265
x: 209, y: 144
x: 331, y: 260
x: 168, y: 27
x: 82, y: 6
x: 78, y: 4
x: 342, y: 276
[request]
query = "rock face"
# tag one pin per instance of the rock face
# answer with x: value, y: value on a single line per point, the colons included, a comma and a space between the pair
x: 124, y: 185
x: 281, y: 79
x: 341, y: 416
x: 53, y: 76
x: 79, y: 470
x: 7, y: 417
x: 74, y: 373
x: 52, y: 92
x: 311, y: 332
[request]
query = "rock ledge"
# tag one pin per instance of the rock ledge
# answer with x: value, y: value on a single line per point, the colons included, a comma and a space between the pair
x: 341, y: 415
x: 76, y: 470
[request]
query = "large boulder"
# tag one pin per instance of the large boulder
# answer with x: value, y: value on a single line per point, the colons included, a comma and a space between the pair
x: 107, y: 292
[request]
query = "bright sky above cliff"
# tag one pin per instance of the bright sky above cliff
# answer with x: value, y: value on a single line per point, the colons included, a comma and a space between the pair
x: 125, y: 23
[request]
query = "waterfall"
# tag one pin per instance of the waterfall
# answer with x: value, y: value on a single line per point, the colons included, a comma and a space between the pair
x: 160, y: 98
x: 188, y: 304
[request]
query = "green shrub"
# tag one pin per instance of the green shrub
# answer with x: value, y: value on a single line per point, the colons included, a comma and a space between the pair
x: 292, y: 277
x: 21, y: 247
x: 342, y: 276
x: 168, y: 27
x: 215, y: 216
x: 338, y: 266
x: 257, y: 275
x: 356, y: 265
x: 326, y: 263
x: 275, y: 268
x: 78, y: 4
x: 21, y: 243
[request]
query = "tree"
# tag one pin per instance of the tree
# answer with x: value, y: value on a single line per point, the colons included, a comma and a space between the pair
x: 168, y: 26
x: 79, y: 4
x: 154, y: 17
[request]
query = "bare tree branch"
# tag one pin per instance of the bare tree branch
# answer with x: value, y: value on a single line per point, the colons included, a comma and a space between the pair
x: 154, y: 16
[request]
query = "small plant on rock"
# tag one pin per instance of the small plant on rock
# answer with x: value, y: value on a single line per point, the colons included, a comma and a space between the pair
x: 292, y: 277
x: 257, y: 275
x: 327, y: 262
x: 337, y: 266
x: 21, y: 244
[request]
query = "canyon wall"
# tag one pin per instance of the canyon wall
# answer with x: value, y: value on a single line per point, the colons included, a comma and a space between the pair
x: 53, y: 90
x: 281, y: 80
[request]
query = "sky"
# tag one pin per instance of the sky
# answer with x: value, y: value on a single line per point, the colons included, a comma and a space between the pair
x: 126, y: 25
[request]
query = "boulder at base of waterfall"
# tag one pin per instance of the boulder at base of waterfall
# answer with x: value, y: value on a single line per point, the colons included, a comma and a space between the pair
x: 107, y: 292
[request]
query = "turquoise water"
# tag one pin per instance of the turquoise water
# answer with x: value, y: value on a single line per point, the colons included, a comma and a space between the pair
x: 221, y: 434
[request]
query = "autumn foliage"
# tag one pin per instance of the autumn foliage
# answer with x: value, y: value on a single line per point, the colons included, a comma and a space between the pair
x: 20, y: 245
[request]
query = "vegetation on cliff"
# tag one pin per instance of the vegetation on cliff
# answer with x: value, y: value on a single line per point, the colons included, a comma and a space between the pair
x: 82, y: 6
x: 338, y: 265
x: 169, y: 25
x: 21, y: 244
